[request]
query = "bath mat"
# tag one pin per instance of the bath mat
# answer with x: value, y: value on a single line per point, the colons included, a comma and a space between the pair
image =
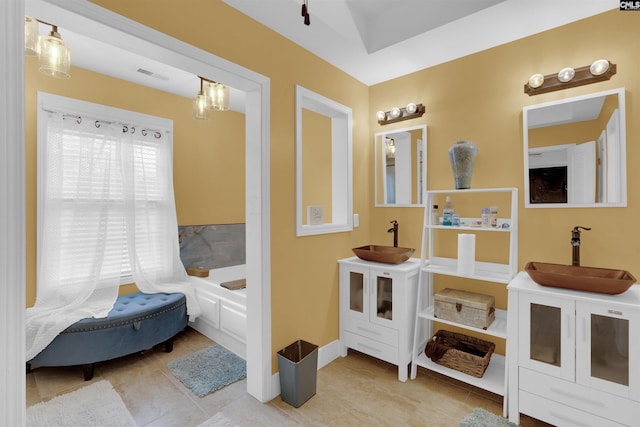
x: 481, y: 418
x: 208, y: 370
x: 97, y: 404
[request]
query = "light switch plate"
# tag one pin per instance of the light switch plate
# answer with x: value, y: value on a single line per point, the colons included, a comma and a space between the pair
x: 356, y: 220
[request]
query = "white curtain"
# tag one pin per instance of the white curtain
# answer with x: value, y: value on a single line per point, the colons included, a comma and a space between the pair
x: 108, y: 212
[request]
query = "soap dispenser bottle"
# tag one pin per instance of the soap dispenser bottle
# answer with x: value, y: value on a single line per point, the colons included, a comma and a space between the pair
x: 447, y: 211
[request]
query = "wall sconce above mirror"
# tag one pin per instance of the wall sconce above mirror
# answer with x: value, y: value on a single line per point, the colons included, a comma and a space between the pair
x: 575, y: 152
x: 397, y: 114
x: 600, y: 70
x: 323, y: 165
x: 401, y: 167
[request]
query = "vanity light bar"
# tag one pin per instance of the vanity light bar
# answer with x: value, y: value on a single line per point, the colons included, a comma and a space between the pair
x: 411, y: 111
x: 538, y: 84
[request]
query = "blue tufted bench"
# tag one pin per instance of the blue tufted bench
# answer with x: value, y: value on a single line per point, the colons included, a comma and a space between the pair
x: 137, y: 322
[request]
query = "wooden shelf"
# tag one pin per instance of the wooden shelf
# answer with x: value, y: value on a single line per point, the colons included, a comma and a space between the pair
x: 491, y: 272
x: 498, y: 327
x: 492, y: 380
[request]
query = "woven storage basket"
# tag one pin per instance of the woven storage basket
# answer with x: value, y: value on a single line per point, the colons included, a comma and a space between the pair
x: 460, y: 352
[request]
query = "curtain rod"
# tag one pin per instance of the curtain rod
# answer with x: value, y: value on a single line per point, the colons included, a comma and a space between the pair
x: 125, y: 128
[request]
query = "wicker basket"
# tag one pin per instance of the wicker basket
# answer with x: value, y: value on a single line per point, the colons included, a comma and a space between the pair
x: 460, y: 352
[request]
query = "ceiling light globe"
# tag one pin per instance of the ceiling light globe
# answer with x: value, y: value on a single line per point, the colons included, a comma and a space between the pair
x: 395, y: 113
x: 599, y: 67
x: 411, y: 108
x: 381, y: 115
x: 566, y: 74
x: 536, y: 80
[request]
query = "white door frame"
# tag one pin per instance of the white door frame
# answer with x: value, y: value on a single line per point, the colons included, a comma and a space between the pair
x: 81, y: 16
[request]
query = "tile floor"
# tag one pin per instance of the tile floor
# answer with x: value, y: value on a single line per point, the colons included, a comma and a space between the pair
x: 352, y: 391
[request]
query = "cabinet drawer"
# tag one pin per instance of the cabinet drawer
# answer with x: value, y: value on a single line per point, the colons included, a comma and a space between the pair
x: 375, y: 332
x: 582, y: 398
x: 371, y: 347
x: 558, y: 414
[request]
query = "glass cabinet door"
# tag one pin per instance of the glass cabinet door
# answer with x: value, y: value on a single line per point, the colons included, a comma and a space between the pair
x: 357, y: 294
x: 382, y: 306
x: 546, y: 341
x: 605, y: 348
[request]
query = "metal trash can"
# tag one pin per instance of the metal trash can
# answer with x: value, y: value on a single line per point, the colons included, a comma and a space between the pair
x: 298, y: 366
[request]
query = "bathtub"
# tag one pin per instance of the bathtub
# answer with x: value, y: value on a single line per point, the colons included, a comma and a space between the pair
x: 224, y: 312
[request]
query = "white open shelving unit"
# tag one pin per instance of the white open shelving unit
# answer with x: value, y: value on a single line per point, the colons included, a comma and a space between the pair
x: 494, y: 379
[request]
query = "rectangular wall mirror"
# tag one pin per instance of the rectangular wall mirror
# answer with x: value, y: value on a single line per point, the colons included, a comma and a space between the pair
x: 401, y: 167
x: 323, y: 165
x: 575, y: 152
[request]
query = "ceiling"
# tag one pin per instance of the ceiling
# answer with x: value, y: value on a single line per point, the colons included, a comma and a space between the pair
x: 371, y: 40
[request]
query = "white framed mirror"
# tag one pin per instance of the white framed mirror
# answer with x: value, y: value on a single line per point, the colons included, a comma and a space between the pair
x: 575, y: 152
x: 323, y: 165
x: 401, y: 167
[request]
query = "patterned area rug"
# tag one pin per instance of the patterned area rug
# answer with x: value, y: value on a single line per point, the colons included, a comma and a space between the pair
x: 209, y: 370
x: 481, y: 418
x: 97, y: 404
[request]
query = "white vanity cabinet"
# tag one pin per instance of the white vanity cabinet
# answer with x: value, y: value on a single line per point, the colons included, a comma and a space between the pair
x: 377, y: 309
x: 573, y: 355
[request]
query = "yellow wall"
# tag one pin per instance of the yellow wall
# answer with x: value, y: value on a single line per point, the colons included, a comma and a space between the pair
x: 480, y: 98
x: 208, y: 155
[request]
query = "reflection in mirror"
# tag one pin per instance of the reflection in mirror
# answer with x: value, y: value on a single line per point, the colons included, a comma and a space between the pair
x: 575, y: 152
x: 323, y: 165
x: 401, y: 166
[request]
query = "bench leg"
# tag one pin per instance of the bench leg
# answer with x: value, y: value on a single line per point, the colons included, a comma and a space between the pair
x: 28, y: 368
x: 87, y: 369
x: 168, y: 345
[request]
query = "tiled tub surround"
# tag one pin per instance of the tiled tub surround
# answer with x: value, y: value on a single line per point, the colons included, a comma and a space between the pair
x: 224, y: 312
x: 212, y: 246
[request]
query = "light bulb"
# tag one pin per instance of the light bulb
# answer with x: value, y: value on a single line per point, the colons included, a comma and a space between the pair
x: 536, y: 80
x: 566, y: 74
x: 599, y: 67
x: 411, y: 108
x: 381, y: 115
x: 395, y: 113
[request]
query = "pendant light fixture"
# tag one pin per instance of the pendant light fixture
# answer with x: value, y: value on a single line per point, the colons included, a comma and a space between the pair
x: 217, y: 96
x: 54, y: 57
x: 30, y: 36
x: 200, y: 110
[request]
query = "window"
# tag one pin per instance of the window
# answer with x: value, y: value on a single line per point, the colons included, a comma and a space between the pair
x: 105, y: 193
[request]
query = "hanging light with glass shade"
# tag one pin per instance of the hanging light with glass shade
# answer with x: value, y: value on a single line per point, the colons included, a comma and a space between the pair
x: 30, y: 36
x: 217, y: 96
x: 54, y: 57
x: 200, y: 110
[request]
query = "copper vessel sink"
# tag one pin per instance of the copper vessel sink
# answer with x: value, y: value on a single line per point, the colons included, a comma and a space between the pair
x: 384, y: 254
x: 590, y: 279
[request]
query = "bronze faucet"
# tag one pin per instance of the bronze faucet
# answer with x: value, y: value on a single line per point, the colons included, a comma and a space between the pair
x: 575, y: 244
x: 394, y: 230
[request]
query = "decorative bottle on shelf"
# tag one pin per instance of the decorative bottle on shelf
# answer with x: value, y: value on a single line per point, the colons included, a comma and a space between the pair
x: 447, y: 212
x: 435, y: 217
x: 462, y: 155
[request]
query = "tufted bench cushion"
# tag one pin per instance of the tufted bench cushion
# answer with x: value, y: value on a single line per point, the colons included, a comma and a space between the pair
x: 137, y: 322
